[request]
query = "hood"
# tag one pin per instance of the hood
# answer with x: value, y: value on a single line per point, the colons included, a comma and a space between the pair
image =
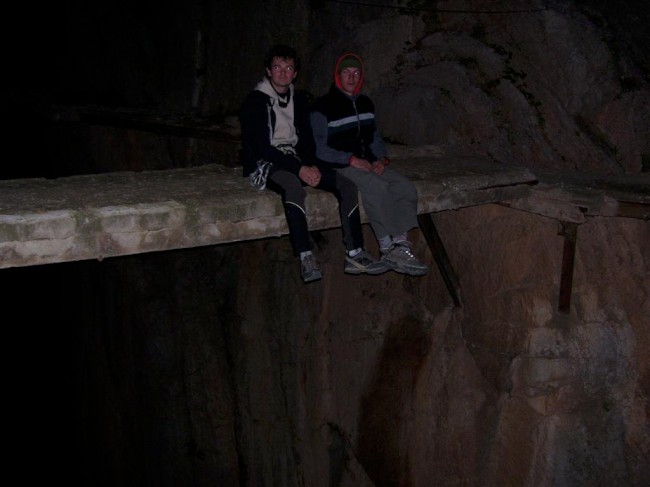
x: 337, y: 77
x: 266, y: 87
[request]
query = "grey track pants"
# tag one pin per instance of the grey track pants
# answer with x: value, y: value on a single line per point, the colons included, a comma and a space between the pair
x: 390, y: 200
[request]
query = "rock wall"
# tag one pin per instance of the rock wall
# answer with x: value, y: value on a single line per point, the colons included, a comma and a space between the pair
x: 561, y: 85
x: 542, y: 84
x: 219, y: 366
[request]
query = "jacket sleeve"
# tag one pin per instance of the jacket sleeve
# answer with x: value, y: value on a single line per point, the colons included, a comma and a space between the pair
x: 377, y: 145
x: 305, y: 148
x: 256, y: 137
x: 323, y: 151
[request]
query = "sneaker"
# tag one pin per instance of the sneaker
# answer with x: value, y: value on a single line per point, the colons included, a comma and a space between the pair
x: 401, y: 259
x: 363, y: 263
x: 309, y: 269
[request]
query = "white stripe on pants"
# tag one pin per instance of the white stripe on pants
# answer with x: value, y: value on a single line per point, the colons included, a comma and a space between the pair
x: 390, y: 200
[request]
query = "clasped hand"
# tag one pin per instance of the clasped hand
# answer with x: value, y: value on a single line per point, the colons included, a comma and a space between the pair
x: 377, y: 167
x: 310, y: 175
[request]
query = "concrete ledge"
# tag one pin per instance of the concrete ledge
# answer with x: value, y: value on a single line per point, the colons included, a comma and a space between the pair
x: 98, y: 216
x: 106, y: 215
x: 574, y: 197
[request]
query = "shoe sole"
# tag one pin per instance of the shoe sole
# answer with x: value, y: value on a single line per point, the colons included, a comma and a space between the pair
x: 357, y: 272
x: 416, y: 272
x: 411, y: 271
x: 314, y: 277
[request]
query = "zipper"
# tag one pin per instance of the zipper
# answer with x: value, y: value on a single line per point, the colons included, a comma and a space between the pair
x: 363, y: 146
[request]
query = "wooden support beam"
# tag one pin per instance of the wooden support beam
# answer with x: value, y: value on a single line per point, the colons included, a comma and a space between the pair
x: 440, y: 255
x: 570, y: 233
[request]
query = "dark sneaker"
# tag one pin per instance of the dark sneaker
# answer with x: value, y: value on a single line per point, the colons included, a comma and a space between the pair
x: 401, y: 259
x: 363, y: 263
x: 309, y: 269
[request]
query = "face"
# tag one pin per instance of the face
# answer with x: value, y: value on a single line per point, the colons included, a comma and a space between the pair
x: 282, y: 74
x: 350, y: 79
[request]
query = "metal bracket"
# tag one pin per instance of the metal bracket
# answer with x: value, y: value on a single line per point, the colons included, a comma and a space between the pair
x: 440, y: 255
x: 570, y: 233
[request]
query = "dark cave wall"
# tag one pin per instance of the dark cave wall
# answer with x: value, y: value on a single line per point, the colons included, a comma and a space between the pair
x: 194, y: 58
x: 553, y: 86
x: 202, y: 57
x: 219, y: 366
x: 190, y: 62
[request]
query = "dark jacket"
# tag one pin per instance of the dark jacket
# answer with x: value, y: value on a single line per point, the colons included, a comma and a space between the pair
x: 351, y: 125
x: 254, y: 116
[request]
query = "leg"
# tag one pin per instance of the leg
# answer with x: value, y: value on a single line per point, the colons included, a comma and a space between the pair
x: 375, y: 196
x: 347, y: 196
x: 289, y: 187
x: 390, y: 201
x: 293, y: 197
x: 402, y: 213
x: 402, y: 217
x: 357, y: 260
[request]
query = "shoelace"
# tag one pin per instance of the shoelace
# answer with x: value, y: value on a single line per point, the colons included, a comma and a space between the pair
x: 258, y: 178
x: 309, y: 262
x: 407, y: 250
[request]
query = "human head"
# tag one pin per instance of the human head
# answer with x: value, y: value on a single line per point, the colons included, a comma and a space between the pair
x: 348, y: 74
x: 282, y: 65
x: 283, y: 52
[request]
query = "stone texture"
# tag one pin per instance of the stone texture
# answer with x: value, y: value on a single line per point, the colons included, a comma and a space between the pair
x: 123, y: 213
x: 358, y: 380
x: 548, y: 87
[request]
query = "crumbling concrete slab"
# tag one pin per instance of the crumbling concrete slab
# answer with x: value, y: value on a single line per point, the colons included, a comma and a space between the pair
x: 97, y: 216
x: 104, y: 215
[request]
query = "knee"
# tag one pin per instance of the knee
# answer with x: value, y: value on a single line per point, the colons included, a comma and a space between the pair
x: 347, y: 189
x: 382, y: 187
x: 295, y: 195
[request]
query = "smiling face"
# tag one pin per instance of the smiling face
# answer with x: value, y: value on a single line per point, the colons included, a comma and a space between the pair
x: 282, y: 73
x: 350, y: 79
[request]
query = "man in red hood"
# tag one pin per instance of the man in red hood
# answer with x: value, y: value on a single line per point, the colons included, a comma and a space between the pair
x: 347, y: 138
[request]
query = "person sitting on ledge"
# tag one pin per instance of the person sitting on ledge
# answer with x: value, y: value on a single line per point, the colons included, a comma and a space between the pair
x: 279, y: 154
x: 347, y: 138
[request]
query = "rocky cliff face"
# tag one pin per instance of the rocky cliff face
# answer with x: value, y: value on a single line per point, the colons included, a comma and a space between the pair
x: 547, y: 84
x: 542, y: 84
x: 231, y: 371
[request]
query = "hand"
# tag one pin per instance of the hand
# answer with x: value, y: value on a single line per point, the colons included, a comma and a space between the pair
x: 378, y: 167
x: 310, y: 175
x: 362, y: 164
